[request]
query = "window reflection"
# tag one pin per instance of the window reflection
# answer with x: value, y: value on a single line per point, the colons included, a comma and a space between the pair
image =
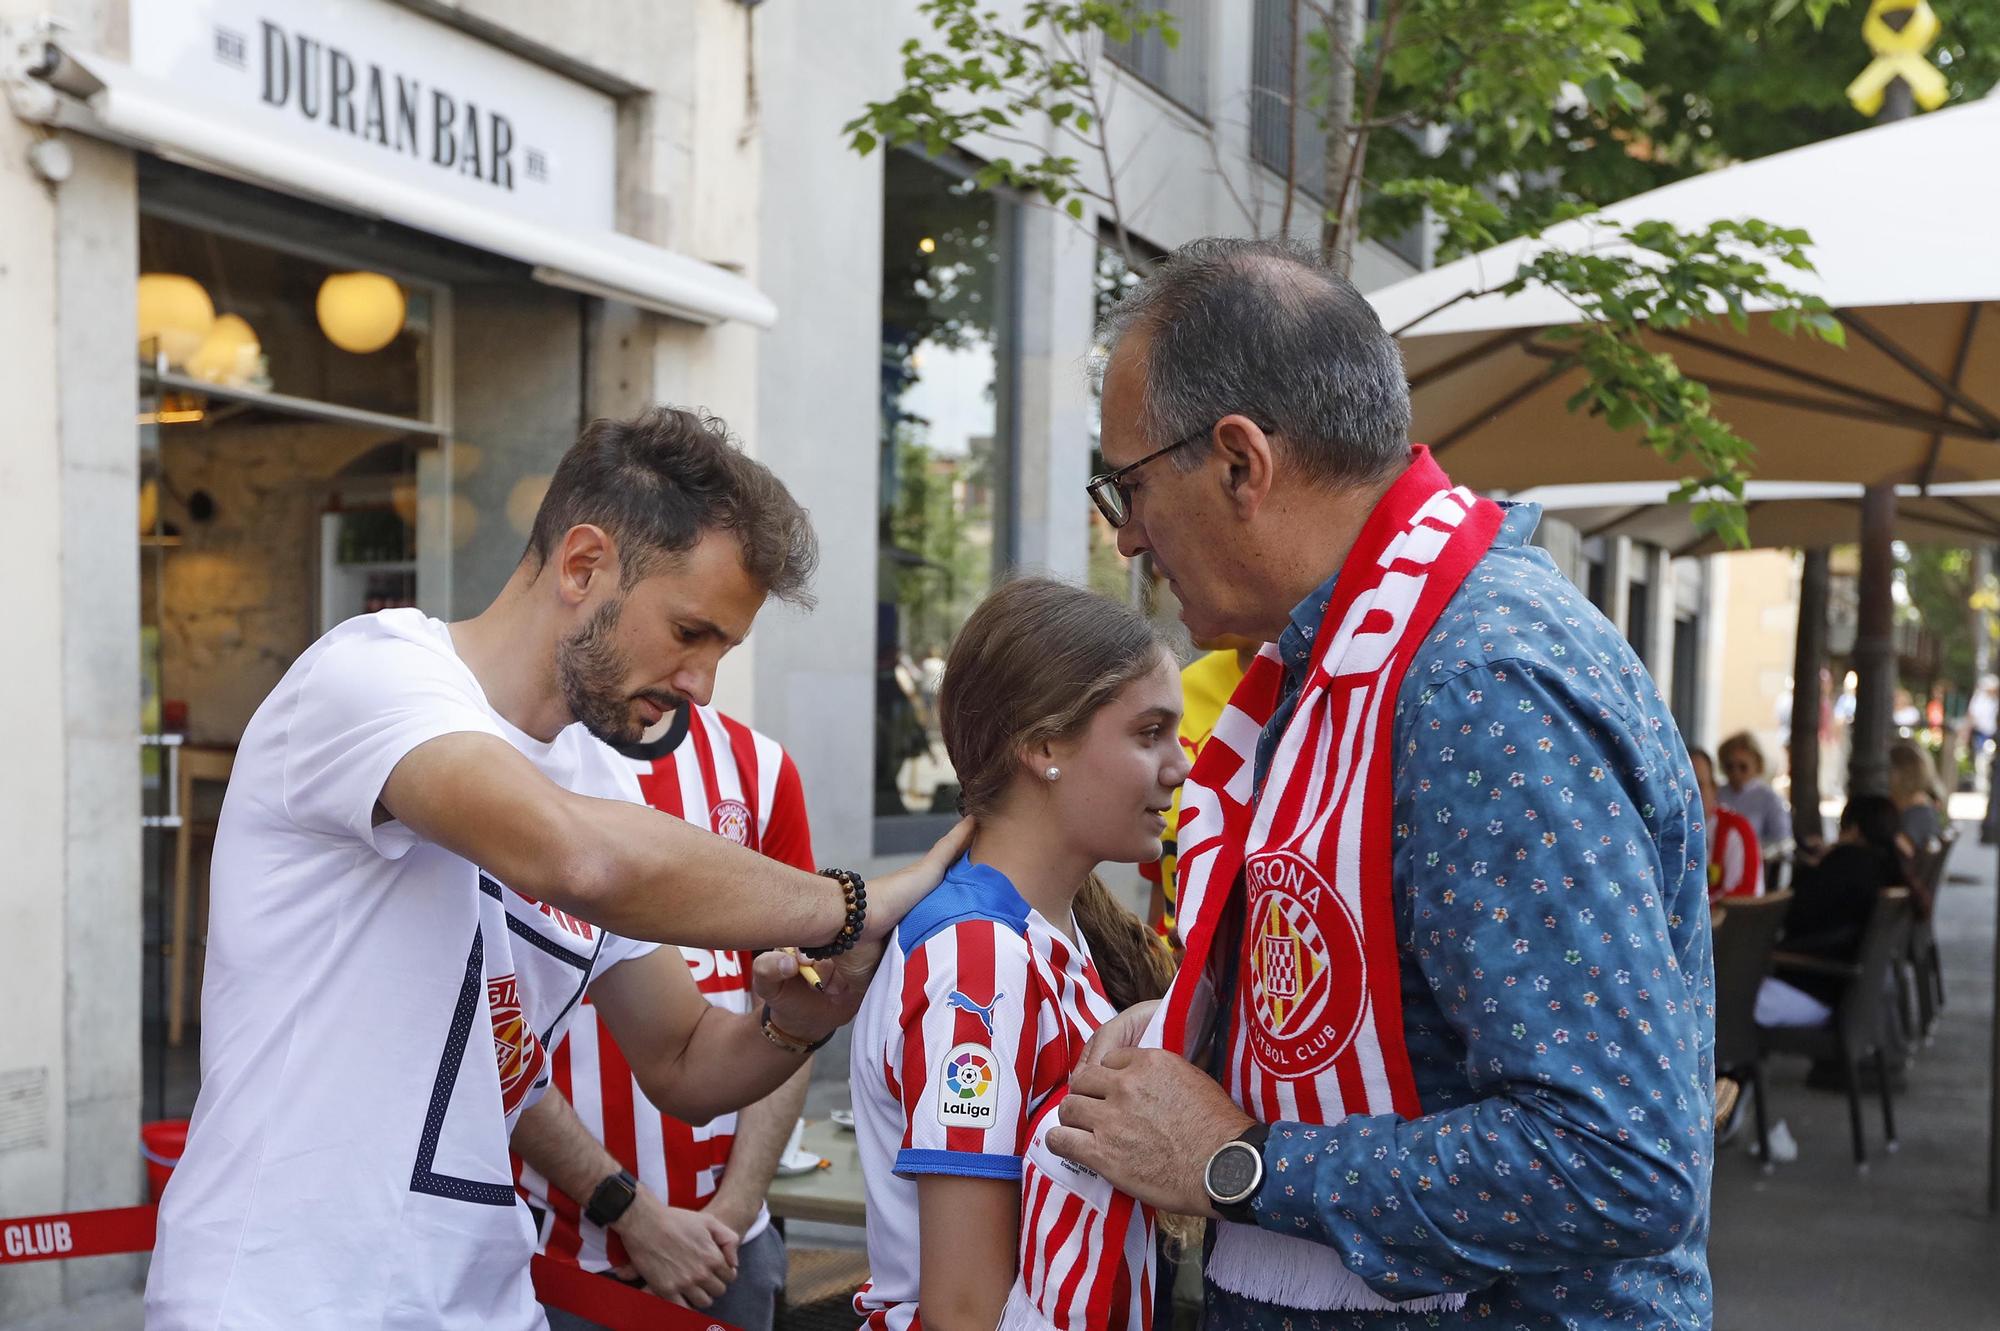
x: 1111, y: 574
x: 943, y: 453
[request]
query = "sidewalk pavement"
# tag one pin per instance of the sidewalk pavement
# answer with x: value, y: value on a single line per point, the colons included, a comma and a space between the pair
x: 1909, y: 1243
x: 1813, y: 1245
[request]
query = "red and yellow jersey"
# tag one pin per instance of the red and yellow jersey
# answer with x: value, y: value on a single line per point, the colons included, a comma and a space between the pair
x: 1206, y: 684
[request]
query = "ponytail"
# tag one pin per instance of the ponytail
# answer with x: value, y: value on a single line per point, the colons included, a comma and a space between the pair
x: 1131, y: 959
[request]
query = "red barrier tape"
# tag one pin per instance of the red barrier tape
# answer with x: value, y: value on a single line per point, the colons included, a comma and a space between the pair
x: 55, y: 1238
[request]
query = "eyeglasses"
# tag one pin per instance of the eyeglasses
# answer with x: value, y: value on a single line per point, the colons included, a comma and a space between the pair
x: 1114, y: 498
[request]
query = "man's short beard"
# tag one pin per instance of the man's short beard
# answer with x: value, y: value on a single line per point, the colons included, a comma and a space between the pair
x: 591, y: 672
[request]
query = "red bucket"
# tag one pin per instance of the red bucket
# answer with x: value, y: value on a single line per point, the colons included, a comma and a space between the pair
x: 162, y: 1142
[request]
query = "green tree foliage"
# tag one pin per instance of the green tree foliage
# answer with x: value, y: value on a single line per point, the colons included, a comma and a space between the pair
x: 1946, y: 597
x: 1705, y: 85
x: 1550, y: 107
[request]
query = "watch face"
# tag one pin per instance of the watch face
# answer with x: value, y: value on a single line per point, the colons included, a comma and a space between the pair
x: 1234, y: 1171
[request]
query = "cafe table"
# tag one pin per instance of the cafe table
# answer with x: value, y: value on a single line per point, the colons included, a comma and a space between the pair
x: 833, y: 1195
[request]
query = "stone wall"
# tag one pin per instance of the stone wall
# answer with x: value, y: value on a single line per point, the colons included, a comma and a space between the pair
x: 237, y: 600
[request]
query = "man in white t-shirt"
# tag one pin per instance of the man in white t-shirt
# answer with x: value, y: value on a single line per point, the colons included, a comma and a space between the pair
x: 422, y: 846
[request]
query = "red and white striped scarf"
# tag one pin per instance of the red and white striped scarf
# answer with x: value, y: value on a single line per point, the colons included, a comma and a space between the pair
x: 1316, y: 1033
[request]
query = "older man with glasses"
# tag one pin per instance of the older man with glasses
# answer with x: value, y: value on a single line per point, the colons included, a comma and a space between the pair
x: 1520, y: 942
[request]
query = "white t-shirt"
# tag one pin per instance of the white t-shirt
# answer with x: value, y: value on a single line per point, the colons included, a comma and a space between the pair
x: 375, y: 1014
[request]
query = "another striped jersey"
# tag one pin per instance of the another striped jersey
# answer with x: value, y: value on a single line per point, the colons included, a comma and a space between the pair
x: 741, y: 785
x: 977, y: 1016
x: 1735, y: 868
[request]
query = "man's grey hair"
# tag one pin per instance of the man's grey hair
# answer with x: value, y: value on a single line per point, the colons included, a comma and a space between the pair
x: 1265, y: 329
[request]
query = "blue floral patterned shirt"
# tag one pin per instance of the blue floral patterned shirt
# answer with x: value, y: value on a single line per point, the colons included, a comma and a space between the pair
x: 1551, y: 900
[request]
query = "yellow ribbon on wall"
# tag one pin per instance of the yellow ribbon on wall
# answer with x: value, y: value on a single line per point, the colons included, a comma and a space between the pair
x: 1899, y: 32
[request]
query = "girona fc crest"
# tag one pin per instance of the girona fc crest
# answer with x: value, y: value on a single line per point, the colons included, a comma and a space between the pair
x: 731, y: 820
x: 1308, y: 976
x: 516, y: 1048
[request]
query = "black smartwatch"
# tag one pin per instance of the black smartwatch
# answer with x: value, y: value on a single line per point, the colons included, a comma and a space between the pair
x: 1234, y: 1174
x: 612, y: 1199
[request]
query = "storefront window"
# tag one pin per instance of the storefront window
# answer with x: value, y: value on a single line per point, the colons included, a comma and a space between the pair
x: 944, y: 454
x: 281, y: 470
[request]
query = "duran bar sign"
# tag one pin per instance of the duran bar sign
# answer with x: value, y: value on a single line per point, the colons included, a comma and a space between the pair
x: 385, y: 89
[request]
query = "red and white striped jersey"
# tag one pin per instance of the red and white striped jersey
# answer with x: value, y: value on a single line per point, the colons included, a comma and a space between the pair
x: 741, y: 785
x: 1735, y: 868
x: 978, y: 1015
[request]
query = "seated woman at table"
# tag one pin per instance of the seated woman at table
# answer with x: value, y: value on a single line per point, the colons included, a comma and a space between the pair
x: 1832, y: 899
x: 1749, y: 794
x: 1913, y: 785
x: 1060, y: 711
x: 1735, y: 869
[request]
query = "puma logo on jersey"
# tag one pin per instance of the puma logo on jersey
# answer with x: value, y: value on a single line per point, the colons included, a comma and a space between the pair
x: 958, y: 1000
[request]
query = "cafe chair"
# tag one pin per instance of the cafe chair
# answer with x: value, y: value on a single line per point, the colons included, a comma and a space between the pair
x: 1744, y: 941
x: 1926, y: 966
x: 1863, y: 1024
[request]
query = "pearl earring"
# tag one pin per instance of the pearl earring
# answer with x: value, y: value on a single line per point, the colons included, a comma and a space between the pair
x: 1054, y: 773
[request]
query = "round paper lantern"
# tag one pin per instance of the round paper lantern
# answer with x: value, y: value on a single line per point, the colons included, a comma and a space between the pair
x: 175, y: 315
x: 228, y: 355
x: 360, y: 312
x: 403, y: 498
x: 524, y: 501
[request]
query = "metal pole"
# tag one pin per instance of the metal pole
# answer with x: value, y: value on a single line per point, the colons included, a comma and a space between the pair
x: 1809, y: 652
x: 1874, y: 646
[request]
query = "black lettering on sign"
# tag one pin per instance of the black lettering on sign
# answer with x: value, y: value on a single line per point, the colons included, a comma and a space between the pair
x: 356, y: 96
x: 340, y: 105
x: 309, y: 78
x: 470, y: 161
x: 409, y: 95
x: 277, y: 64
x: 501, y: 144
x: 376, y: 125
x: 444, y: 146
x: 230, y: 48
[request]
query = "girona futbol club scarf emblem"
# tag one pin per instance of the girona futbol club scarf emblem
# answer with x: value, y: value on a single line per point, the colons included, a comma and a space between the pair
x: 1316, y: 1028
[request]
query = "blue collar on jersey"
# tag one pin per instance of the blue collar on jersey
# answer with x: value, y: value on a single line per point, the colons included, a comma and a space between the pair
x: 969, y: 892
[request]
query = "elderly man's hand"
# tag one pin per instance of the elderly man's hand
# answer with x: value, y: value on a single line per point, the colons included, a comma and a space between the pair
x: 1148, y: 1121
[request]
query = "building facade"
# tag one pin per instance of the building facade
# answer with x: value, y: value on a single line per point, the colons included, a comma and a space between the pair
x: 303, y: 302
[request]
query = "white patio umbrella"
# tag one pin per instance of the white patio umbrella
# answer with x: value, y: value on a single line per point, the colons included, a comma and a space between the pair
x: 1902, y: 218
x: 1782, y: 514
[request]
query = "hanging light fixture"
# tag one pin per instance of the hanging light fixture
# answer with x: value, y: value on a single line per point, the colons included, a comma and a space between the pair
x: 360, y: 312
x: 230, y: 355
x: 175, y: 316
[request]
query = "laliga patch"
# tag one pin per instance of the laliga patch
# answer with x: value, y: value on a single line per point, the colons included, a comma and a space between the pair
x: 968, y: 1088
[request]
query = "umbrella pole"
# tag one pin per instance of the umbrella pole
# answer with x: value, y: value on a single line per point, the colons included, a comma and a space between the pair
x: 1807, y: 656
x: 1874, y: 647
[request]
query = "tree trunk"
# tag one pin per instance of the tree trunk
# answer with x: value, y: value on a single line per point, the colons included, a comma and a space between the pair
x: 1345, y: 23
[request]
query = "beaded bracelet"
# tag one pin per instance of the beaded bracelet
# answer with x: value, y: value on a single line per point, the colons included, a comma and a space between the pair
x: 855, y: 889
